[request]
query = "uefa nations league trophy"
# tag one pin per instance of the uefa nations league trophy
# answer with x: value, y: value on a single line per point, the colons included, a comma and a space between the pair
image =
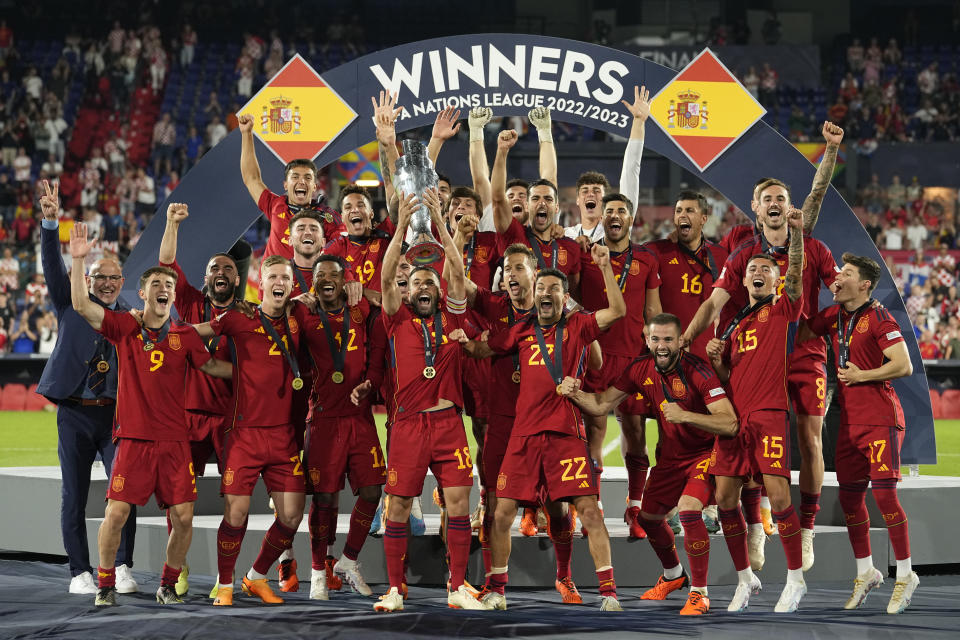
x: 415, y: 174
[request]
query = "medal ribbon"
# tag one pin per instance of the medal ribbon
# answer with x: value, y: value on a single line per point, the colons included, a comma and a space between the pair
x: 161, y: 333
x: 339, y: 354
x: 300, y: 279
x: 554, y: 366
x: 663, y: 377
x: 712, y: 266
x: 268, y: 327
x: 208, y: 316
x: 743, y: 313
x: 430, y: 350
x: 534, y: 243
x: 844, y: 337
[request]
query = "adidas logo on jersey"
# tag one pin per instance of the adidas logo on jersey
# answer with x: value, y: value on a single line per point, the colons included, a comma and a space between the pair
x: 699, y: 476
x: 584, y: 485
x: 648, y: 381
x: 776, y: 465
x: 673, y: 261
x: 259, y: 330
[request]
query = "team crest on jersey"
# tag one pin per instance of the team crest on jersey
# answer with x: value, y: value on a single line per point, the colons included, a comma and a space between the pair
x: 375, y: 246
x: 863, y: 325
x: 294, y: 327
x: 501, y: 482
x: 634, y: 268
x: 174, y: 341
x: 764, y: 314
x: 392, y: 478
x: 482, y: 254
x: 315, y: 476
x: 562, y: 257
x: 228, y: 477
x: 117, y: 484
x: 356, y: 315
x: 679, y: 389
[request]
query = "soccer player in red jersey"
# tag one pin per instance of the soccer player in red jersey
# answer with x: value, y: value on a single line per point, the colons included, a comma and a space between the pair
x: 363, y: 247
x: 427, y: 430
x: 261, y: 439
x: 635, y: 269
x: 307, y: 239
x: 690, y: 406
x: 153, y: 450
x: 870, y: 353
x: 207, y: 400
x: 547, y: 451
x: 300, y: 185
x: 752, y: 353
x: 341, y: 437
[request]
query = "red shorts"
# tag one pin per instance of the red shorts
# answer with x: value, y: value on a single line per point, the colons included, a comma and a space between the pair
x: 343, y: 446
x: 476, y: 374
x: 761, y: 446
x: 206, y: 439
x: 250, y: 452
x: 142, y: 468
x: 807, y: 387
x: 667, y: 482
x: 432, y: 439
x: 865, y: 452
x: 555, y: 462
x: 613, y: 367
x: 495, y: 446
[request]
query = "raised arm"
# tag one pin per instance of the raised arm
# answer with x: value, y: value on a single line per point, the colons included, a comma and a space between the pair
x: 54, y: 271
x: 821, y: 181
x: 616, y: 306
x: 793, y: 282
x: 479, y: 169
x: 249, y: 167
x: 79, y: 248
x: 453, y: 265
x: 630, y: 173
x: 466, y: 227
x: 390, y: 299
x: 444, y: 128
x: 385, y: 113
x: 498, y: 181
x: 176, y: 213
x: 540, y: 118
x: 721, y: 419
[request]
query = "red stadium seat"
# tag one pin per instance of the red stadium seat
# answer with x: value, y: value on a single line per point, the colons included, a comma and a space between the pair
x: 936, y: 404
x: 13, y: 397
x: 35, y: 401
x: 950, y: 404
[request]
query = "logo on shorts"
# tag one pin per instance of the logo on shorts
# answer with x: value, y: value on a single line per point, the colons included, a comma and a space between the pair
x: 501, y: 482
x: 228, y: 477
x: 483, y: 254
x: 776, y: 465
x: 764, y: 314
x: 679, y: 389
x: 355, y: 315
x: 118, y: 483
x: 174, y: 341
x: 584, y: 485
x: 392, y: 478
x: 883, y: 467
x: 315, y: 476
x: 864, y: 325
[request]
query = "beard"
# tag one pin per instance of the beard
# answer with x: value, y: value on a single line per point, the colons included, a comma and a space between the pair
x: 220, y: 298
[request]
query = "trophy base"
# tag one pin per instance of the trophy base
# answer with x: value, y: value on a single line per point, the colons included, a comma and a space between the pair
x: 425, y: 254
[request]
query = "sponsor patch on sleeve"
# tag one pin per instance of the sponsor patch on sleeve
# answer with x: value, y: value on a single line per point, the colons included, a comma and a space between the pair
x: 893, y: 334
x: 716, y: 391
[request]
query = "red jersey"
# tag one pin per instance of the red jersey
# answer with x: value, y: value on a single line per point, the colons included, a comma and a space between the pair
x: 262, y: 376
x: 562, y: 254
x: 480, y: 257
x: 737, y: 236
x: 412, y: 390
x: 693, y: 385
x: 363, y: 255
x: 625, y: 337
x: 379, y: 365
x: 279, y: 212
x: 687, y: 281
x: 203, y: 392
x: 539, y: 407
x: 150, y: 387
x: 870, y: 332
x: 500, y: 314
x: 818, y: 266
x: 757, y: 355
x: 329, y: 398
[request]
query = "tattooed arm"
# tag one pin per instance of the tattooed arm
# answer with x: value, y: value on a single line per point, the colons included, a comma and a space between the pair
x: 793, y: 282
x: 821, y: 181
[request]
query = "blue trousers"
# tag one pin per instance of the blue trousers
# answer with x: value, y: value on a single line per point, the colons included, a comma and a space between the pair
x: 82, y: 433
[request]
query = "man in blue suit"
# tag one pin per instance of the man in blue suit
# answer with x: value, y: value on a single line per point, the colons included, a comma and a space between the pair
x: 81, y: 379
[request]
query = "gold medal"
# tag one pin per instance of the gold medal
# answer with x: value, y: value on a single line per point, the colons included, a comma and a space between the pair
x: 337, y: 377
x: 103, y: 366
x: 559, y: 392
x: 148, y: 346
x: 515, y: 377
x: 429, y: 372
x: 297, y: 384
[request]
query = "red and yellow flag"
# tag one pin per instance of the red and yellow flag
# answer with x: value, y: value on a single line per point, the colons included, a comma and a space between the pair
x: 296, y: 114
x: 705, y: 109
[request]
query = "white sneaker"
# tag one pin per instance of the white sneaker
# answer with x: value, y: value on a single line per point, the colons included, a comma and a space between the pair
x: 125, y: 581
x: 756, y: 543
x: 610, y: 603
x: 741, y: 597
x: 349, y: 571
x: 494, y: 601
x: 463, y: 599
x: 806, y: 546
x: 83, y: 584
x: 391, y: 601
x: 790, y: 597
x: 903, y: 592
x: 862, y: 585
x: 318, y: 585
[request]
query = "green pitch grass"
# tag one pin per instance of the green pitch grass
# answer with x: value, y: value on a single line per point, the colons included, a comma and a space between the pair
x: 29, y: 438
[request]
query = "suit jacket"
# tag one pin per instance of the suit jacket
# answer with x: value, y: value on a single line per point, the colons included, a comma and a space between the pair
x: 77, y: 342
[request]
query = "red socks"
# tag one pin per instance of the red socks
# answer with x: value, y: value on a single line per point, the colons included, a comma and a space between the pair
x: 662, y: 540
x: 106, y: 577
x: 637, y: 467
x: 853, y: 502
x: 497, y: 582
x: 885, y: 493
x: 561, y: 533
x: 228, y: 546
x: 607, y: 585
x: 458, y: 548
x: 696, y: 542
x: 735, y: 535
x: 484, y: 536
x: 395, y: 550
x: 750, y: 500
x: 788, y: 525
x: 809, y: 506
x: 278, y: 537
x: 318, y: 525
x: 170, y: 576
x: 360, y: 519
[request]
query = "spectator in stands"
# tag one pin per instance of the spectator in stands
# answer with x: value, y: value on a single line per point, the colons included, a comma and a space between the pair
x: 164, y: 139
x: 8, y: 145
x: 892, y: 54
x: 849, y: 87
x: 33, y: 83
x: 173, y: 180
x: 23, y: 339
x: 952, y: 351
x: 8, y: 198
x: 929, y: 350
x: 928, y: 79
x: 115, y: 40
x: 751, y: 82
x: 838, y: 111
x: 873, y: 228
x: 188, y: 44
x: 127, y: 193
x: 213, y: 107
x: 923, y: 120
x: 216, y: 132
x: 52, y: 166
x: 244, y: 77
x: 9, y: 272
x: 47, y: 334
x: 945, y: 266
x: 770, y: 31
x: 110, y: 234
x: 855, y: 55
x: 272, y: 64
x: 24, y: 224
x: 192, y: 149
x: 116, y: 151
x: 768, y: 85
x: 892, y: 237
x: 21, y: 166
x: 6, y: 39
x: 145, y: 193
x: 896, y: 193
x: 231, y: 121
x: 917, y: 233
x: 873, y: 195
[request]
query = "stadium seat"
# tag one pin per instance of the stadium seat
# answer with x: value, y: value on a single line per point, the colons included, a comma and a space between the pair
x: 935, y: 404
x: 950, y: 404
x: 13, y: 397
x: 36, y: 402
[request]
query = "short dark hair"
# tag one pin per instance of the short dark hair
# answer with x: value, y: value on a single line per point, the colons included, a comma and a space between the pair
x: 666, y: 318
x: 442, y: 177
x: 543, y: 182
x: 220, y: 254
x: 300, y: 162
x: 158, y: 270
x: 764, y: 256
x: 527, y: 252
x: 556, y: 273
x: 311, y: 213
x: 465, y: 192
x: 326, y: 257
x: 618, y: 197
x: 424, y: 267
x: 690, y: 194
x: 592, y: 177
x: 866, y: 267
x: 351, y: 189
x: 517, y: 182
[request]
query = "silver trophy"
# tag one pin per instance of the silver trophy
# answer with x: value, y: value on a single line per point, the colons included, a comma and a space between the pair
x: 415, y: 174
